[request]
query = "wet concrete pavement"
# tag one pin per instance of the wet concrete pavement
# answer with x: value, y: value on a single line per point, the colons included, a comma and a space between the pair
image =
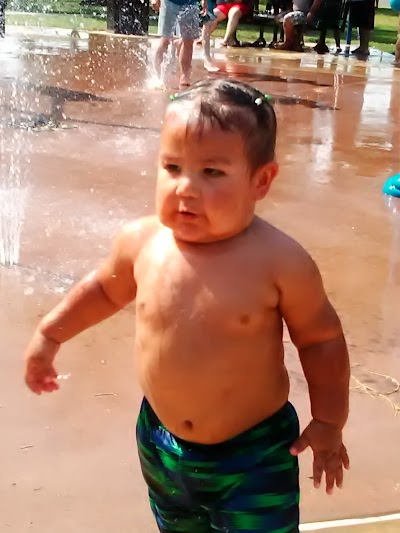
x: 69, y: 461
x: 373, y: 528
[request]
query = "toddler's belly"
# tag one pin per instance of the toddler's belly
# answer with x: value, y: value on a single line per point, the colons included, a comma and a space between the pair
x: 216, y: 399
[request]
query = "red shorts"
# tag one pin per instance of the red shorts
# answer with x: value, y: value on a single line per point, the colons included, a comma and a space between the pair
x: 225, y: 8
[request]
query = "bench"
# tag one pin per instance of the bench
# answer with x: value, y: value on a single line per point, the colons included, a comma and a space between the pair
x: 261, y: 19
x: 87, y: 6
x: 268, y: 18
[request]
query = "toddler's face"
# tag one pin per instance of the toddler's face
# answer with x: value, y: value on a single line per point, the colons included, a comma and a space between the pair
x: 205, y: 191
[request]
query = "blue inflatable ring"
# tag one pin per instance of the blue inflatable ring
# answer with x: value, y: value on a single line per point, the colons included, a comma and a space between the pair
x: 395, y: 5
x: 392, y: 186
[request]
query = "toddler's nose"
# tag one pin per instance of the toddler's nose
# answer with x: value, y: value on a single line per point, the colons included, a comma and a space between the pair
x: 187, y: 188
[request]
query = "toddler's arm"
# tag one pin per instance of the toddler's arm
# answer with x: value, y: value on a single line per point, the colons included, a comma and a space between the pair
x: 316, y: 331
x: 95, y: 298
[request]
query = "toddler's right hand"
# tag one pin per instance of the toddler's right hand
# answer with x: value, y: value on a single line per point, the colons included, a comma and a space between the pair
x: 40, y: 374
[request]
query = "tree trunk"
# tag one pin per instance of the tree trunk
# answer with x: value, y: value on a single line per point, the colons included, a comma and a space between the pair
x: 2, y: 17
x: 129, y: 17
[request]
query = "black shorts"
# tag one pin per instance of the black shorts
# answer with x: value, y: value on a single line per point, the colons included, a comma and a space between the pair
x: 362, y: 14
x: 328, y: 16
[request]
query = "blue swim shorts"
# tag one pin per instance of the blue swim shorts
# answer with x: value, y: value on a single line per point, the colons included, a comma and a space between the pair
x: 184, y: 17
x: 248, y: 484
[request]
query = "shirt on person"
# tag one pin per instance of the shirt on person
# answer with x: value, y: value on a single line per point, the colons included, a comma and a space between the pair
x: 301, y: 5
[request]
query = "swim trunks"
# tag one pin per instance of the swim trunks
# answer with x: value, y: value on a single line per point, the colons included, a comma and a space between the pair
x: 248, y: 484
x: 180, y: 19
x: 362, y: 14
x: 225, y: 7
x: 328, y: 16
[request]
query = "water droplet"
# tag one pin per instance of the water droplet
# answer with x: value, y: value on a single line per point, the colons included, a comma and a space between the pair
x: 63, y: 377
x: 60, y: 290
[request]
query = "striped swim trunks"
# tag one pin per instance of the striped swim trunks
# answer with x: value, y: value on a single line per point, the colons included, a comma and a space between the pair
x: 247, y: 484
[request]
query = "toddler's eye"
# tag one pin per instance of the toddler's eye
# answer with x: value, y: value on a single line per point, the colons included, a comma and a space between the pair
x: 172, y: 169
x: 213, y: 172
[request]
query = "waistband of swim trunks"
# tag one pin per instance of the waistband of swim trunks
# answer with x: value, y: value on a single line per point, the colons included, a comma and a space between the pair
x: 284, y: 420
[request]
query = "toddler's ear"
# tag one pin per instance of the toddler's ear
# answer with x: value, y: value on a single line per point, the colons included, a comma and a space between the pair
x: 264, y: 178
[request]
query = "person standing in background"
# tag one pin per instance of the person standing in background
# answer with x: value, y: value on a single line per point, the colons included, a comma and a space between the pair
x: 362, y: 16
x: 296, y: 18
x: 324, y: 15
x: 184, y: 14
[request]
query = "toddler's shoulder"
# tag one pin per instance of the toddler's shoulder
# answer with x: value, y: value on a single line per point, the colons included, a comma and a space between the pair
x: 286, y: 253
x: 140, y: 230
x: 134, y: 235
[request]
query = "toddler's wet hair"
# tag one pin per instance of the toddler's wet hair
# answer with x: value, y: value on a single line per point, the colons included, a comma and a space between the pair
x: 236, y: 107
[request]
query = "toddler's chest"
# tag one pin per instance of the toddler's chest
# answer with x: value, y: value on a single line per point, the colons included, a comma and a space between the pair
x: 204, y: 290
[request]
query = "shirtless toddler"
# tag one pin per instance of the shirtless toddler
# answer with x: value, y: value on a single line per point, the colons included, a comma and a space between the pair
x: 217, y: 438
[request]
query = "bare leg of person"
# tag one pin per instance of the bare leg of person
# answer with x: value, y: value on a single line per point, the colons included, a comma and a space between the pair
x: 200, y: 41
x: 276, y: 4
x: 363, y: 50
x: 185, y: 61
x: 288, y: 43
x: 209, y: 28
x: 234, y: 16
x: 321, y: 47
x: 178, y: 45
x: 160, y: 53
x: 277, y: 28
x: 365, y: 37
x: 208, y: 62
x: 337, y: 35
x: 274, y: 35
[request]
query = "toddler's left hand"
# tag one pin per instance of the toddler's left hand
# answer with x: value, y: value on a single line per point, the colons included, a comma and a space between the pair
x: 330, y: 454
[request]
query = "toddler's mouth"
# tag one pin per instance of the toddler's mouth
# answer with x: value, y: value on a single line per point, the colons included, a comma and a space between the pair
x: 187, y: 213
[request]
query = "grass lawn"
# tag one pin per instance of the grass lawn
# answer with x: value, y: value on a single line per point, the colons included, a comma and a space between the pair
x: 384, y: 36
x: 52, y: 20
